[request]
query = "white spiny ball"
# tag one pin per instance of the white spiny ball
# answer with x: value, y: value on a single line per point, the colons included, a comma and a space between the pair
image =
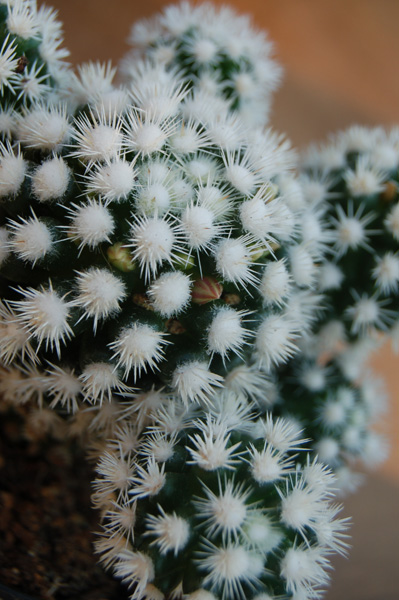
x: 170, y: 531
x: 153, y: 199
x: 98, y: 381
x: 7, y: 119
x: 333, y: 413
x: 185, y: 140
x: 92, y: 224
x: 375, y: 449
x: 135, y: 568
x: 384, y: 156
x: 154, y: 170
x: 261, y: 532
x: 226, y: 332
x: 312, y: 232
x: 63, y: 387
x: 386, y: 272
x: 22, y: 21
x: 291, y: 190
x: 264, y: 217
x: 113, y: 181
x: 303, y: 267
x: 350, y: 233
x: 31, y: 239
x: 302, y: 568
x: 45, y: 315
x: 97, y: 141
x: 352, y: 438
x: 328, y: 450
x: 50, y: 180
x: 201, y: 169
x: 213, y: 198
x: 99, y: 293
x: 138, y: 347
x: 275, y: 284
x: 346, y: 397
x: 267, y: 465
x: 170, y: 293
x: 43, y: 129
x: 147, y: 137
x: 12, y: 173
x: 330, y: 276
x: 365, y: 180
x: 152, y: 240
x: 14, y: 339
x: 114, y: 101
x: 194, y: 381
x: 313, y: 378
x: 204, y: 50
x: 226, y: 132
x: 365, y: 313
x: 331, y: 336
x: 227, y: 511
x: 198, y: 226
x: 245, y: 85
x: 241, y: 178
x: 233, y: 260
x: 274, y: 341
x: 182, y: 192
x: 314, y: 190
x: 227, y: 565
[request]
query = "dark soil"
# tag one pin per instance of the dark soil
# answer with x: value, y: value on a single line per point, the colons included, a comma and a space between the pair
x: 46, y: 522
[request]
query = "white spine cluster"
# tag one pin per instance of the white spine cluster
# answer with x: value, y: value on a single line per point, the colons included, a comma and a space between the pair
x: 138, y: 348
x: 12, y: 170
x: 152, y: 241
x: 194, y: 381
x: 44, y: 127
x: 45, y: 315
x: 99, y: 294
x: 226, y: 332
x: 170, y: 293
x: 91, y: 224
x: 50, y: 180
x: 30, y: 239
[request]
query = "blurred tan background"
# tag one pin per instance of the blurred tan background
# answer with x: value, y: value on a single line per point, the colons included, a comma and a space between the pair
x: 341, y: 67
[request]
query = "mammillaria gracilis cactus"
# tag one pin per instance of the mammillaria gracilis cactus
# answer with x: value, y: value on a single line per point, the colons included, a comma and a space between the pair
x: 158, y: 266
x: 218, y: 505
x: 146, y: 247
x: 355, y: 177
x: 218, y: 54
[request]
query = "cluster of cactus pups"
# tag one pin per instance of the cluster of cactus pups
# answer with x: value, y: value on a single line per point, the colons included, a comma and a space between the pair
x: 178, y: 293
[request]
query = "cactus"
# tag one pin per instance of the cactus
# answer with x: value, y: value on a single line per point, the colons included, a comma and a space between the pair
x: 356, y: 179
x: 217, y: 504
x: 161, y: 267
x: 32, y: 61
x: 219, y: 55
x: 338, y: 414
x: 147, y: 248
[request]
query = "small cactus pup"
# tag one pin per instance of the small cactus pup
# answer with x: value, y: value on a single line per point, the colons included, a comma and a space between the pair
x: 338, y: 414
x: 219, y: 54
x: 218, y: 505
x: 147, y: 248
x: 31, y: 57
x: 355, y: 177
